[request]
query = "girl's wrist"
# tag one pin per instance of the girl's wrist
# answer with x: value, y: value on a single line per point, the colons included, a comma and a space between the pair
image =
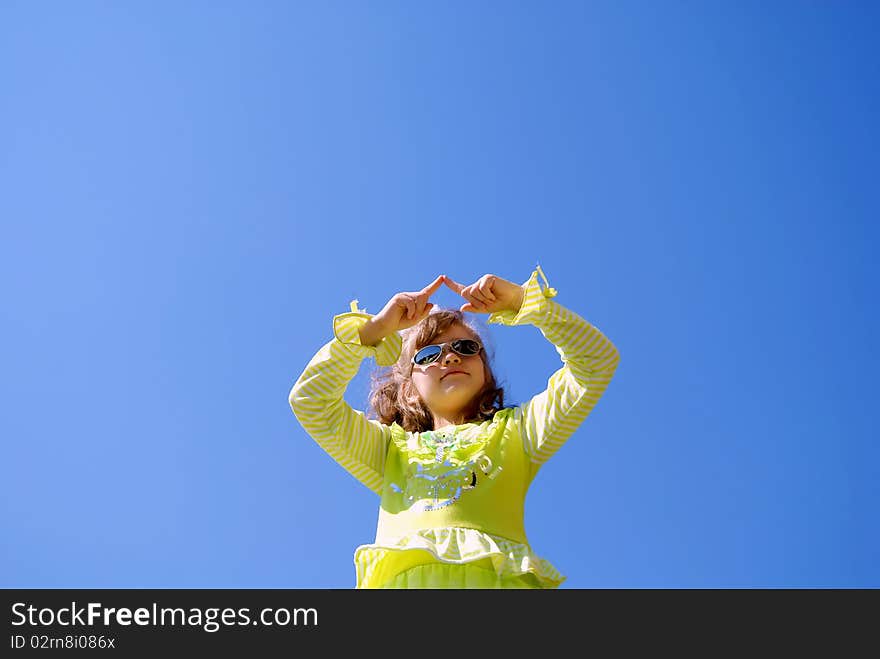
x: 522, y: 297
x: 370, y: 334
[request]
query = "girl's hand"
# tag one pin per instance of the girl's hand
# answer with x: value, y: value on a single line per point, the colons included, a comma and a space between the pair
x: 402, y: 311
x: 488, y: 294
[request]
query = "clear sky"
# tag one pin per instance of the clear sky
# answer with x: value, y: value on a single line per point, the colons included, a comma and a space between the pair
x: 189, y: 191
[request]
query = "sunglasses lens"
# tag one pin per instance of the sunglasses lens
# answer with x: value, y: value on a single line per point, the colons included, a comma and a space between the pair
x: 466, y: 346
x: 427, y: 355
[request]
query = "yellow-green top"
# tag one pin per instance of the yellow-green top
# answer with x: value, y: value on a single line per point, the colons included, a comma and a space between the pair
x: 456, y: 494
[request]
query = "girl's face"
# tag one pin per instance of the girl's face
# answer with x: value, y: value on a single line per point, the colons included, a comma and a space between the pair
x: 448, y: 385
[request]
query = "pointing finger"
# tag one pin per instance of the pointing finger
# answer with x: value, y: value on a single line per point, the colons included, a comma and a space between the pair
x: 454, y: 285
x: 434, y: 285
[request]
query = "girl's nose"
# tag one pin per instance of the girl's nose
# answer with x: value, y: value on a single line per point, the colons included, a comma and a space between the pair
x: 450, y: 355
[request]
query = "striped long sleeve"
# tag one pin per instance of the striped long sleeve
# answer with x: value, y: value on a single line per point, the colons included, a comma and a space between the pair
x: 358, y: 444
x: 589, y: 362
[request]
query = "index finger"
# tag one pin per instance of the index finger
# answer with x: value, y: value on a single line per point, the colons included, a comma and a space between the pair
x: 433, y: 286
x: 454, y: 285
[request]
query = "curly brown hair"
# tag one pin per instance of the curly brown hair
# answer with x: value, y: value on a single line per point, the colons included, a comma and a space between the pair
x: 393, y: 397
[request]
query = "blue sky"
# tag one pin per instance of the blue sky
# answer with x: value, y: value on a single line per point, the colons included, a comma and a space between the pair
x: 190, y: 191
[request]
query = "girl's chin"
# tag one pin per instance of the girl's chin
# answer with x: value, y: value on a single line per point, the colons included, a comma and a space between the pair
x: 454, y: 383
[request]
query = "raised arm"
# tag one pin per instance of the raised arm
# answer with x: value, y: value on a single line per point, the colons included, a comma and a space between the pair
x: 355, y: 442
x: 589, y: 361
x: 358, y: 444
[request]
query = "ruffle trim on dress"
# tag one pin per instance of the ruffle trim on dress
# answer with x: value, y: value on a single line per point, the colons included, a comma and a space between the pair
x: 471, y: 438
x: 534, y: 304
x: 345, y: 329
x: 378, y: 563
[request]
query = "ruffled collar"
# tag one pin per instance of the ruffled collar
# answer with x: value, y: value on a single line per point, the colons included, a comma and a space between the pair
x: 461, y: 441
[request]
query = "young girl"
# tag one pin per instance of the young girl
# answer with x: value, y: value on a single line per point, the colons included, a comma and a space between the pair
x: 451, y: 464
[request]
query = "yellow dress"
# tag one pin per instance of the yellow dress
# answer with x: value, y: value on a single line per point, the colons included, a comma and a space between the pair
x: 452, y: 499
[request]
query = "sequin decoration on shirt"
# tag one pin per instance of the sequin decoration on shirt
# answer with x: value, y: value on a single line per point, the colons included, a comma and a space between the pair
x: 439, y: 483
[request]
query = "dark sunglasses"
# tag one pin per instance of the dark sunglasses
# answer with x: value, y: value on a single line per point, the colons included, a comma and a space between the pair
x: 430, y: 354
